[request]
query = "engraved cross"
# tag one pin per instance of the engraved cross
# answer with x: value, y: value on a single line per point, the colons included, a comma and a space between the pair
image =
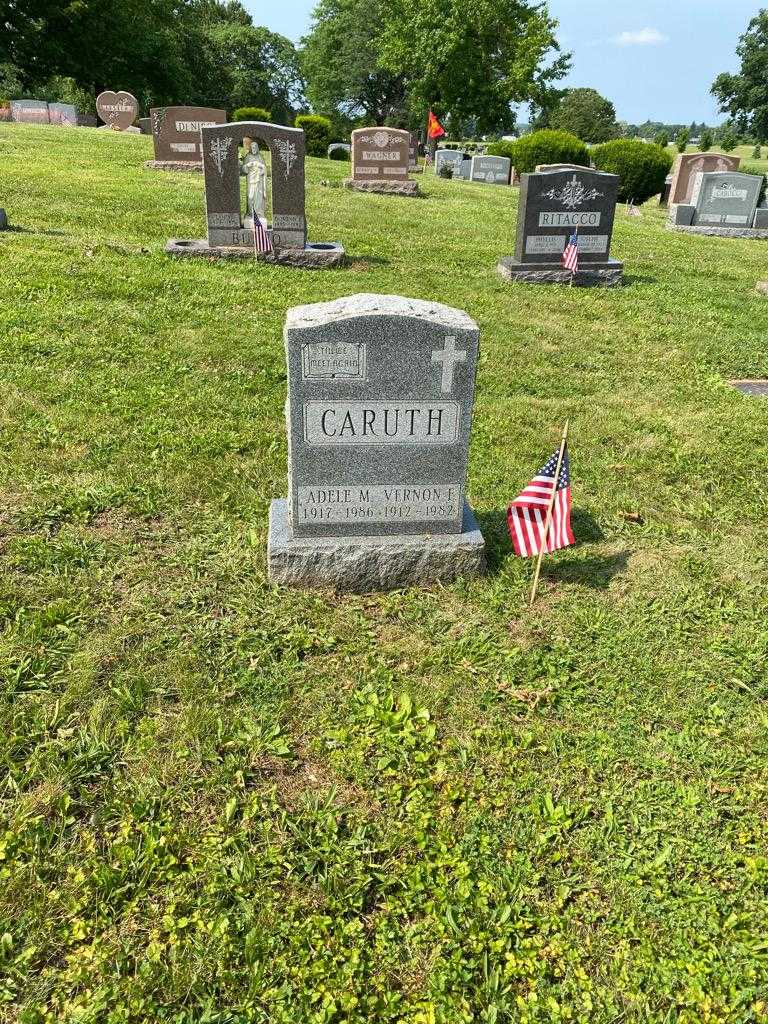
x: 448, y: 356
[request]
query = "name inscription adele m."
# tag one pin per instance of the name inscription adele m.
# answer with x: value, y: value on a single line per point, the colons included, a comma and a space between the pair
x: 382, y: 423
x: 380, y: 503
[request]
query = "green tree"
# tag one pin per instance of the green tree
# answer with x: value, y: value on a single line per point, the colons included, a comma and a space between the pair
x: 757, y: 152
x: 727, y: 138
x: 587, y: 114
x: 706, y: 140
x: 662, y: 139
x: 509, y: 45
x: 682, y: 139
x: 744, y: 96
x: 341, y: 62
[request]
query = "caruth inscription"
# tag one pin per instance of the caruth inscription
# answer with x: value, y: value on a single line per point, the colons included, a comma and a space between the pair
x: 389, y: 423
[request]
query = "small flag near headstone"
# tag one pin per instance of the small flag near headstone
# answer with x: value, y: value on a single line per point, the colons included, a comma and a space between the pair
x: 262, y: 243
x: 539, y: 518
x: 571, y: 254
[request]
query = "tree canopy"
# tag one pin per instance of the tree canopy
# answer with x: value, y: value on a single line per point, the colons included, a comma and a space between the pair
x: 164, y: 51
x: 585, y: 113
x: 744, y: 96
x: 390, y: 60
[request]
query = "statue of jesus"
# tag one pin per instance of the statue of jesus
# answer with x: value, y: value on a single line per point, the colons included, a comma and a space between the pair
x: 254, y: 170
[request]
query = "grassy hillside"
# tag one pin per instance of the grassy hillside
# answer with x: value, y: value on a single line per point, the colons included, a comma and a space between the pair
x: 224, y: 802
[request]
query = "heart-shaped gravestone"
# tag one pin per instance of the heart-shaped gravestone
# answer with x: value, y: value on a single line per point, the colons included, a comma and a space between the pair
x: 117, y: 109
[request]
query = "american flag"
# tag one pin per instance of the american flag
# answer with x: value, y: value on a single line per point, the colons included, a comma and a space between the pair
x: 527, y: 515
x: 261, y: 241
x: 571, y: 253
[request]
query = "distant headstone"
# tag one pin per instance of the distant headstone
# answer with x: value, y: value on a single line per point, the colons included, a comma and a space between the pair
x: 727, y: 200
x: 3, y: 220
x: 380, y: 397
x: 552, y: 205
x: 145, y: 125
x: 688, y: 165
x: 493, y: 170
x: 230, y: 234
x: 118, y: 110
x: 380, y: 162
x: 176, y: 136
x: 30, y: 111
x: 756, y: 388
x: 64, y: 114
x: 449, y: 158
x: 86, y: 120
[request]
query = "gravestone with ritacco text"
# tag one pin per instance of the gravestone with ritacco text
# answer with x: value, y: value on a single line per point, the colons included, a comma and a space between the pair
x: 380, y: 397
x: 553, y: 206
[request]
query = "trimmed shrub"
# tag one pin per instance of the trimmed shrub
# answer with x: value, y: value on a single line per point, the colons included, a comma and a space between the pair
x: 544, y: 147
x: 251, y: 114
x: 750, y: 169
x: 641, y: 166
x: 337, y: 153
x: 682, y: 139
x: 446, y: 171
x: 319, y: 133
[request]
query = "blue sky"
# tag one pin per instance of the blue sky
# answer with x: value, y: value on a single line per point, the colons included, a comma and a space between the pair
x: 652, y: 58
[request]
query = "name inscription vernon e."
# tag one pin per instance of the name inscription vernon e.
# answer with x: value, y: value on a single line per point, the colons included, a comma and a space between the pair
x: 381, y: 423
x: 379, y: 503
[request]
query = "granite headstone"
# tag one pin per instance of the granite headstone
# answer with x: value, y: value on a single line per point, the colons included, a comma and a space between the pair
x: 118, y: 110
x: 380, y: 161
x: 493, y: 170
x: 30, y: 111
x: 380, y: 399
x: 554, y: 204
x: 229, y: 235
x: 726, y: 200
x: 64, y: 114
x: 448, y: 158
x: 176, y: 134
x: 688, y: 165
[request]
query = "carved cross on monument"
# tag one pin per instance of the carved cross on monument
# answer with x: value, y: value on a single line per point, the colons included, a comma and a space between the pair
x: 448, y: 356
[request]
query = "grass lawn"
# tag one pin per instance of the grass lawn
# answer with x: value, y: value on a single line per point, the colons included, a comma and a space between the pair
x: 223, y: 802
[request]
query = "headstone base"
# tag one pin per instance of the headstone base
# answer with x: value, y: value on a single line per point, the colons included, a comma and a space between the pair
x: 174, y: 165
x: 720, y: 232
x: 3, y: 220
x: 589, y: 275
x: 385, y: 188
x: 314, y: 256
x: 365, y: 564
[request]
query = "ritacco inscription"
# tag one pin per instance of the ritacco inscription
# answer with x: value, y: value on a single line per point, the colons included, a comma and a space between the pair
x: 337, y: 423
x: 559, y: 220
x: 379, y: 503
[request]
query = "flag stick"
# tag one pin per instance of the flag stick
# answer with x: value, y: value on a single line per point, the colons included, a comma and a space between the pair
x: 548, y: 521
